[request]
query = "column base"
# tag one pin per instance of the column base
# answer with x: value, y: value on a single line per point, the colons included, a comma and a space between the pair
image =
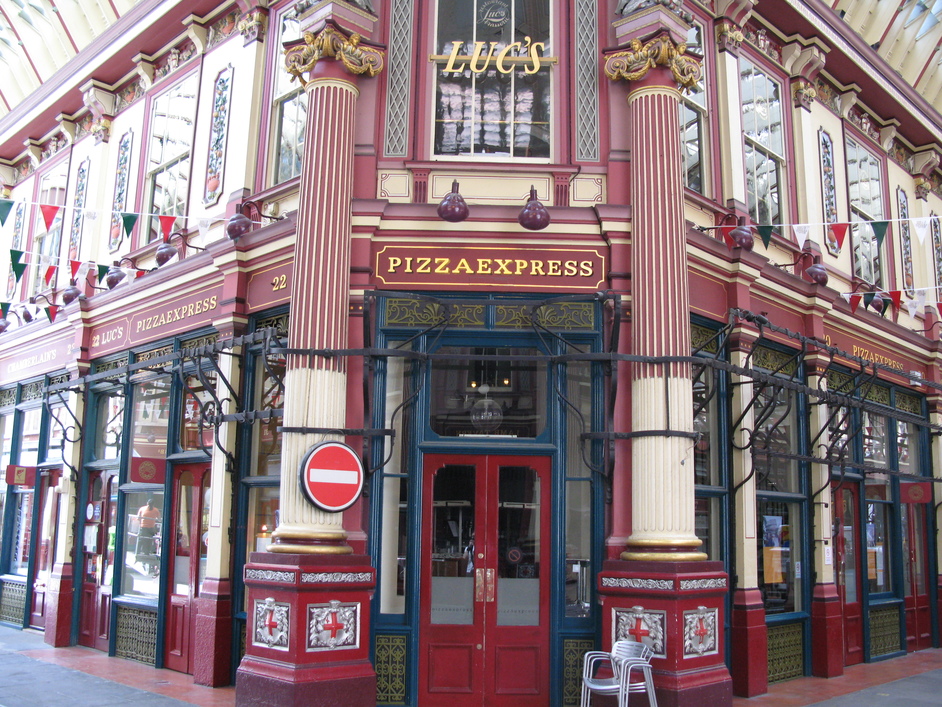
x: 749, y: 641
x: 213, y: 640
x: 307, y: 631
x: 678, y: 610
x: 827, y: 632
x: 58, y: 631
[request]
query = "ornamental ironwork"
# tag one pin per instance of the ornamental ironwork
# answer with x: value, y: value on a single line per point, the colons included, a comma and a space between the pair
x: 271, y: 624
x: 270, y: 575
x: 637, y: 583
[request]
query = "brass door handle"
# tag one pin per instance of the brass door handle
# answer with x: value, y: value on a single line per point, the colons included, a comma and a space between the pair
x: 479, y: 584
x: 490, y: 585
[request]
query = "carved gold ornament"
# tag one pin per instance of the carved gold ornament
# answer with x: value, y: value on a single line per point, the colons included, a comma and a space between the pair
x: 635, y: 63
x: 332, y: 44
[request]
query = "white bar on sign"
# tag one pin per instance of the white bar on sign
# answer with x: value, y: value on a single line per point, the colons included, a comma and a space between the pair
x: 333, y: 476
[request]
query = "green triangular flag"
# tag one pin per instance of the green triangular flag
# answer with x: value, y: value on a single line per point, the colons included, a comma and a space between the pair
x: 102, y: 271
x: 15, y: 255
x: 4, y: 308
x: 867, y: 298
x: 128, y: 220
x: 5, y: 206
x: 879, y: 231
x: 765, y: 233
x: 18, y: 269
x: 886, y: 305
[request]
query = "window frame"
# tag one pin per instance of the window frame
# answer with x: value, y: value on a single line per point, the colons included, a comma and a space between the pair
x: 279, y: 99
x: 859, y: 237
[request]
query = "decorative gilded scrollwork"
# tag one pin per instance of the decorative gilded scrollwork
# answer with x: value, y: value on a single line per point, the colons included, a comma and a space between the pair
x: 332, y: 44
x: 635, y: 63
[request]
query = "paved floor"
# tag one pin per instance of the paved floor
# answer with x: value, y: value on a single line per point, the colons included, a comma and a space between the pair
x: 33, y: 674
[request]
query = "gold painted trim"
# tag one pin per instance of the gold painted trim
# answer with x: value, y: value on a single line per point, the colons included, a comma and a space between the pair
x: 665, y: 556
x: 311, y: 549
x: 636, y: 62
x: 664, y: 542
x: 300, y: 59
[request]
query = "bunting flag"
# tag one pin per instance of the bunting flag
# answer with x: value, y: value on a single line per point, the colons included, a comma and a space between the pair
x: 166, y: 225
x: 18, y: 269
x: 4, y: 308
x: 868, y: 298
x: 879, y: 231
x: 727, y: 230
x: 854, y: 303
x: 912, y: 306
x: 840, y: 233
x: 51, y: 312
x: 50, y: 271
x: 75, y: 265
x: 5, y: 206
x: 102, y: 271
x: 765, y: 233
x: 921, y: 227
x: 801, y: 233
x: 128, y: 219
x: 896, y: 297
x: 49, y: 214
x: 15, y: 256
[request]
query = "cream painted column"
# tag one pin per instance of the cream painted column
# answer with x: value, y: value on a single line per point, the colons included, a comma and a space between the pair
x: 662, y: 500
x: 820, y: 478
x: 746, y: 561
x: 316, y: 386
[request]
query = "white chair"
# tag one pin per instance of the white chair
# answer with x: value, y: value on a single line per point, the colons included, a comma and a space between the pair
x: 624, y: 658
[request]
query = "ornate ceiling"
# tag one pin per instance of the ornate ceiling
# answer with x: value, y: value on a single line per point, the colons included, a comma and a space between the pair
x: 38, y: 37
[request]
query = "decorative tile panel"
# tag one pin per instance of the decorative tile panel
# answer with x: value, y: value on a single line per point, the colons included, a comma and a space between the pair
x: 786, y: 653
x: 119, y: 202
x: 828, y: 189
x: 390, y: 663
x: 884, y: 631
x: 333, y: 626
x: 218, y: 131
x: 399, y: 78
x: 270, y: 575
x: 78, y: 213
x: 700, y: 632
x: 136, y: 635
x: 905, y: 243
x: 587, y: 79
x: 13, y: 602
x: 271, y: 624
x: 636, y: 583
x: 637, y: 624
x: 574, y: 650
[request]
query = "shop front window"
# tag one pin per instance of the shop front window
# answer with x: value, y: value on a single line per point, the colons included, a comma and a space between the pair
x: 493, y: 93
x: 140, y: 573
x: 23, y: 499
x: 150, y: 418
x: 488, y: 391
x: 109, y: 419
x: 195, y: 432
x: 29, y: 437
x: 579, y: 492
x: 865, y: 188
x: 779, y: 556
x: 266, y: 435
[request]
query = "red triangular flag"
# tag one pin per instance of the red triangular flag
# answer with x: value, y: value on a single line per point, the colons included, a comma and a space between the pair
x: 166, y: 224
x: 139, y: 273
x: 939, y: 306
x: 840, y: 233
x: 896, y: 297
x: 726, y: 231
x: 50, y: 271
x: 854, y: 302
x: 51, y: 312
x: 49, y: 214
x: 75, y: 265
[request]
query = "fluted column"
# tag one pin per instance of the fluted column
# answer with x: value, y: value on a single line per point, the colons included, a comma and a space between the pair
x: 315, y: 386
x: 662, y: 409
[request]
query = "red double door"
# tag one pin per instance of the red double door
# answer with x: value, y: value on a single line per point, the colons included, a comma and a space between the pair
x: 485, y: 581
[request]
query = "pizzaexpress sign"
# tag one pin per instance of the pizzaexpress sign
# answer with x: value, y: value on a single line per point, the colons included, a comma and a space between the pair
x: 546, y: 269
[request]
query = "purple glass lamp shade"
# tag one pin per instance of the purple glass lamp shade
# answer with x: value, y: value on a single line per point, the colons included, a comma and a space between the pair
x: 534, y: 215
x: 742, y: 237
x: 818, y: 274
x: 238, y: 226
x: 877, y: 303
x: 164, y: 253
x: 114, y: 277
x: 453, y: 207
x: 71, y: 293
x: 4, y: 325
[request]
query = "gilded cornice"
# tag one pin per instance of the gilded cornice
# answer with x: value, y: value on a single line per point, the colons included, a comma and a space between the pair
x: 331, y: 43
x: 639, y: 59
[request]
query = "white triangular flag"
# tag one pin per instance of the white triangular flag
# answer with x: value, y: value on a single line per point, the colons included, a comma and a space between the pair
x: 846, y: 296
x: 801, y: 233
x: 921, y: 226
x: 912, y: 307
x: 91, y: 214
x: 204, y: 224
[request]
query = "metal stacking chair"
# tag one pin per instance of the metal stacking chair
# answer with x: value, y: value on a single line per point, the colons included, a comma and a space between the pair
x: 625, y: 657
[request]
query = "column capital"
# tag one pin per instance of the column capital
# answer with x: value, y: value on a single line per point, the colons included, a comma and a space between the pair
x: 302, y: 56
x: 639, y: 59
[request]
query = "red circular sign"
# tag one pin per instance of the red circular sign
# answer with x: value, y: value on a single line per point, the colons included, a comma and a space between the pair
x: 331, y: 476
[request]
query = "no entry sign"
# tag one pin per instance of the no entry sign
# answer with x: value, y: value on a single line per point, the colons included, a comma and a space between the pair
x: 331, y: 476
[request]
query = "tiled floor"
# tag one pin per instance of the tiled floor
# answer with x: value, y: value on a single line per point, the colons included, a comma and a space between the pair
x: 793, y: 693
x: 808, y: 691
x: 129, y: 672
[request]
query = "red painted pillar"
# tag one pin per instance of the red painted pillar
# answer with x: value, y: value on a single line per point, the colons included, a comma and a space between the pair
x: 662, y: 590
x: 308, y: 623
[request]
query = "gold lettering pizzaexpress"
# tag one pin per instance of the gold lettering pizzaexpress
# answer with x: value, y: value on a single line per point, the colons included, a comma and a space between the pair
x: 867, y: 354
x: 174, y: 315
x: 527, y: 53
x: 514, y: 267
